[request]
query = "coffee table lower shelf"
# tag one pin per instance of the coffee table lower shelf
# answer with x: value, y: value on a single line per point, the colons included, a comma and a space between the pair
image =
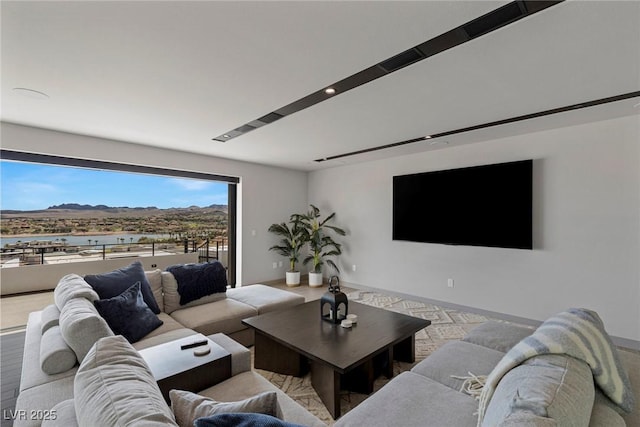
x: 328, y: 380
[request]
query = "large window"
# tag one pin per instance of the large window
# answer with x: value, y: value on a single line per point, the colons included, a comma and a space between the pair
x: 57, y: 209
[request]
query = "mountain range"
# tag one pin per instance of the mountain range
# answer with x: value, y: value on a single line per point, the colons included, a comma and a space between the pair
x: 76, y: 209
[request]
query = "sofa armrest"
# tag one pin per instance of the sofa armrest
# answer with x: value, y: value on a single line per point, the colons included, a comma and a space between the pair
x: 240, y: 355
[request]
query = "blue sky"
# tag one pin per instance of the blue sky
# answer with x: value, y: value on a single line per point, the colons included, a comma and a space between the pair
x: 30, y: 186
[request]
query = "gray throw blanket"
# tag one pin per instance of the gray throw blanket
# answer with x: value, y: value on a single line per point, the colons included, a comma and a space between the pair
x: 578, y: 333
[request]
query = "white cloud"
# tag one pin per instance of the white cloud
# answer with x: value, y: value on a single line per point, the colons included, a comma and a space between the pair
x: 190, y: 184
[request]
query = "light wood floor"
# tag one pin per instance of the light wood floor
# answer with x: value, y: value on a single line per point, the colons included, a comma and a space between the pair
x: 14, y: 310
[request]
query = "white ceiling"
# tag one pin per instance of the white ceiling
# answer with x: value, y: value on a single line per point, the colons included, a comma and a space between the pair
x: 177, y: 74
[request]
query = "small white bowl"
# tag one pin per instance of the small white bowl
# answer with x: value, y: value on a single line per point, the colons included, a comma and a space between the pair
x: 202, y: 351
x: 346, y: 323
x: 353, y: 318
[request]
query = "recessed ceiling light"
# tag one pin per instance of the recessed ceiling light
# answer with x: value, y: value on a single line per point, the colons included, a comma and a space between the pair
x: 226, y: 136
x: 329, y: 91
x: 427, y: 137
x: 30, y: 93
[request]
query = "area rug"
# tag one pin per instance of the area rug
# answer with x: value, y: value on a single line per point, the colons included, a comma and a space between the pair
x: 446, y: 325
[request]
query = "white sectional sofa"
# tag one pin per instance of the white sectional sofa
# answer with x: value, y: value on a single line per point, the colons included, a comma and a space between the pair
x: 551, y: 390
x: 54, y: 344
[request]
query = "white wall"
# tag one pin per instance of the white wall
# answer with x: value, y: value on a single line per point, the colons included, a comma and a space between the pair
x: 586, y: 220
x: 266, y: 194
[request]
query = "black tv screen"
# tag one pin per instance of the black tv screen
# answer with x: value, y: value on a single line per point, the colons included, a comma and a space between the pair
x: 489, y: 205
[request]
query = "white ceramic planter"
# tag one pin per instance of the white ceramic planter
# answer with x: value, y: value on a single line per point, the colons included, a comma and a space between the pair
x: 315, y: 280
x: 293, y: 278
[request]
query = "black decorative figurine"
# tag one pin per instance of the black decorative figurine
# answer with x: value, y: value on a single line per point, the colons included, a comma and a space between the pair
x: 334, y: 304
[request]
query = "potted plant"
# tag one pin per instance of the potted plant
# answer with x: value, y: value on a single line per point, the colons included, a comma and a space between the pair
x: 321, y: 243
x: 293, y: 238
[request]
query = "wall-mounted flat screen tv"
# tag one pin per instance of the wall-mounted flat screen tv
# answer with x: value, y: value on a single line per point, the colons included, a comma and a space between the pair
x: 489, y: 205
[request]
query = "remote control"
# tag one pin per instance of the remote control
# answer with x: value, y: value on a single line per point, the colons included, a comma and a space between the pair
x: 193, y: 344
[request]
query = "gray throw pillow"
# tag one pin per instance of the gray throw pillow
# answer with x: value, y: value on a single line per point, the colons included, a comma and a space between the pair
x: 544, y: 391
x: 187, y: 406
x: 55, y: 354
x: 50, y: 317
x: 72, y: 286
x: 81, y: 326
x: 128, y: 315
x: 155, y: 282
x: 113, y: 283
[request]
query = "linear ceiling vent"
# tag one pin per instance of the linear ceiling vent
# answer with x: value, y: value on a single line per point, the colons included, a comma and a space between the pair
x: 270, y: 118
x: 403, y: 59
x: 500, y: 17
x: 244, y: 128
x: 494, y: 20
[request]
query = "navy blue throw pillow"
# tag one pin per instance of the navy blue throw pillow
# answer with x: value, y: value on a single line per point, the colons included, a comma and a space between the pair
x: 128, y: 315
x: 199, y: 280
x: 246, y: 419
x: 113, y: 283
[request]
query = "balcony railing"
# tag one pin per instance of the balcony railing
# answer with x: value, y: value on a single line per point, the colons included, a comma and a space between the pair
x: 36, y: 253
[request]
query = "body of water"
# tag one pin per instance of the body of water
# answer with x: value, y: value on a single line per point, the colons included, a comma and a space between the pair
x: 103, y: 239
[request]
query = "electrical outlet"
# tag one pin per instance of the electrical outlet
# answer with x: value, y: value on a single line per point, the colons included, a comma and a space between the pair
x: 450, y: 283
x: 275, y: 265
x: 279, y: 263
x: 353, y: 267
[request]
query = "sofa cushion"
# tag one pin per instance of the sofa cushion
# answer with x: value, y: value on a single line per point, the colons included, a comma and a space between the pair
x: 522, y: 419
x: 240, y: 355
x: 114, y: 387
x: 155, y: 283
x: 413, y: 400
x: 128, y: 315
x: 115, y: 282
x: 265, y: 298
x: 631, y: 363
x: 605, y: 413
x: 543, y: 388
x: 72, y: 286
x: 50, y: 317
x: 32, y: 375
x: 176, y: 334
x: 81, y: 326
x: 223, y: 316
x: 499, y: 336
x: 55, y: 354
x: 63, y: 415
x: 172, y: 296
x: 42, y: 398
x: 187, y: 406
x: 168, y: 324
x: 199, y: 280
x: 242, y: 420
x: 455, y: 360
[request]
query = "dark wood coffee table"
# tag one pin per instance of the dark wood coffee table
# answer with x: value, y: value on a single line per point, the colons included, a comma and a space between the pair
x: 294, y: 340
